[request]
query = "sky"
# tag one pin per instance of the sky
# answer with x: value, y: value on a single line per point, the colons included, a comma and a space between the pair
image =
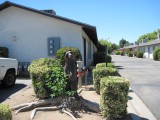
x: 113, y: 19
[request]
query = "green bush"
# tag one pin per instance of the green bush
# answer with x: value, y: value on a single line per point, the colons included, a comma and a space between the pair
x: 109, y: 59
x: 114, y: 96
x: 5, y: 112
x: 100, y: 57
x: 155, y: 53
x: 4, y: 52
x: 104, y: 65
x: 117, y: 52
x: 61, y: 53
x: 39, y: 70
x: 130, y: 54
x: 127, y: 50
x: 139, y: 54
x: 122, y: 53
x: 100, y: 73
x: 159, y: 56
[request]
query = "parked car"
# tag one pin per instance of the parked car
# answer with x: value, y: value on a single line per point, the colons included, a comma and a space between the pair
x: 8, y: 71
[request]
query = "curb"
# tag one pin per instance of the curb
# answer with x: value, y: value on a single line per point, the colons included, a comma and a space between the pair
x: 137, y: 109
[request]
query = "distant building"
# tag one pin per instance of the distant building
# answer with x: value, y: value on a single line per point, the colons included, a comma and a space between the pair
x: 146, y: 47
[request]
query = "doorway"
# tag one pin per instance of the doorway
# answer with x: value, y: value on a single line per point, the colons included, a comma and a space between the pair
x: 84, y: 45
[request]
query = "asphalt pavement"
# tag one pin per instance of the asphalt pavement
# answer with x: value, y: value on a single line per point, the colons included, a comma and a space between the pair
x: 7, y: 93
x: 144, y: 76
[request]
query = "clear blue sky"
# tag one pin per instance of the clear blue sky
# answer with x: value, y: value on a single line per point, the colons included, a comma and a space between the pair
x: 114, y: 19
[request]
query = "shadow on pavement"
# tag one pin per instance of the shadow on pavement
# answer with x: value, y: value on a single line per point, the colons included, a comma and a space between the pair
x: 119, y: 67
x: 126, y: 117
x: 6, y: 92
x: 130, y: 98
x: 144, y: 118
x: 136, y: 117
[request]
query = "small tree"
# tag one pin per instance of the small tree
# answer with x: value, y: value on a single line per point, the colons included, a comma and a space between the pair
x: 122, y: 42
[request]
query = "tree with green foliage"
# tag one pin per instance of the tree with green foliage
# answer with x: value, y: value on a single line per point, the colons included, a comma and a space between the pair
x: 122, y: 42
x: 104, y: 42
x: 114, y: 47
x: 149, y: 36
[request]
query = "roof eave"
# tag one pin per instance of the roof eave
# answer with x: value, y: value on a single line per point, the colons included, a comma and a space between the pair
x: 88, y: 29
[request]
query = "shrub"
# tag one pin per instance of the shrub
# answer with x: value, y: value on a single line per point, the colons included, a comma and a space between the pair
x: 127, y: 51
x: 139, y: 54
x: 61, y: 53
x: 100, y: 73
x: 159, y: 56
x: 39, y: 69
x: 114, y: 96
x: 155, y: 53
x: 4, y: 52
x: 104, y: 65
x: 130, y: 54
x: 101, y: 48
x: 109, y: 59
x: 56, y: 82
x: 117, y: 52
x: 99, y: 57
x: 5, y: 112
x: 122, y: 53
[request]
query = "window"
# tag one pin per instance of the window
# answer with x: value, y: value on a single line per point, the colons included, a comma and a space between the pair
x: 53, y: 45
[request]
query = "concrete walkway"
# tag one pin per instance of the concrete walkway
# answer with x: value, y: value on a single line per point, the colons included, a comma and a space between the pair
x: 144, y: 76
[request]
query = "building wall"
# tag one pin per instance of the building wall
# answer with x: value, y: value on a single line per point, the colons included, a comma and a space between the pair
x: 148, y: 50
x: 25, y: 33
x: 151, y: 52
x: 89, y: 53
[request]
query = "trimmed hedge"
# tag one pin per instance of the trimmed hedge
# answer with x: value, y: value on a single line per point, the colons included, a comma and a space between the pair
x: 61, y: 53
x: 109, y: 59
x: 130, y: 54
x: 4, y: 52
x: 122, y: 53
x: 104, y: 65
x: 159, y: 56
x: 39, y: 69
x: 100, y: 73
x: 117, y: 52
x: 155, y: 53
x: 114, y: 96
x: 5, y: 112
x: 139, y: 54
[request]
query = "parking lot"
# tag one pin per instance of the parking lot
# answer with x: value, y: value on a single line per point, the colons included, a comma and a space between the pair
x: 144, y: 76
x: 6, y: 93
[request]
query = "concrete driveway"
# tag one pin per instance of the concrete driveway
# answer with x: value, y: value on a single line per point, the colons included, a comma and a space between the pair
x: 7, y: 93
x: 144, y: 76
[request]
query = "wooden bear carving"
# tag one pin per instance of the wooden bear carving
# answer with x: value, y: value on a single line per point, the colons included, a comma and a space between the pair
x: 70, y: 69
